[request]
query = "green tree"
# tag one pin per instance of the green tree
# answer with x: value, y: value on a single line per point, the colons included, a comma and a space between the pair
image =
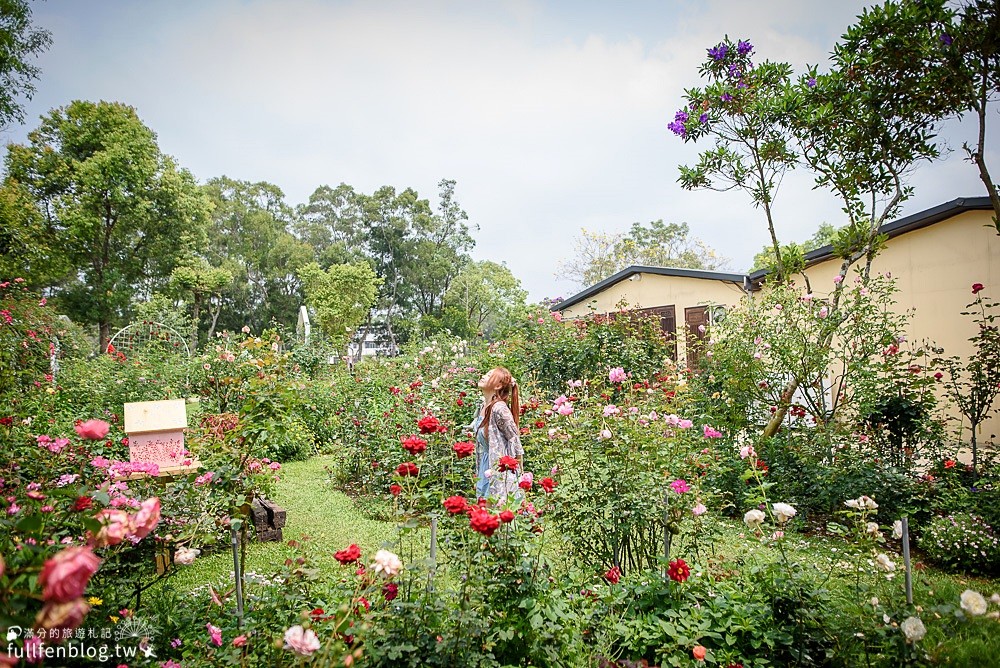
x: 249, y: 237
x: 486, y: 294
x: 598, y: 255
x: 113, y: 207
x: 341, y: 296
x: 196, y: 280
x: 743, y: 109
x: 19, y: 42
x: 331, y: 224
x: 792, y: 253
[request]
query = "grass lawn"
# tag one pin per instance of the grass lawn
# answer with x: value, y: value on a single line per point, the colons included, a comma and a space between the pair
x: 327, y: 517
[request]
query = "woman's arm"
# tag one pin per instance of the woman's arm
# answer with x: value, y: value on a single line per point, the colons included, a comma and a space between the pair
x: 508, y: 428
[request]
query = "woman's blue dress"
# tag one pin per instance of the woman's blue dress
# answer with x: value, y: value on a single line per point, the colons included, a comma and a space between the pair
x: 482, y: 457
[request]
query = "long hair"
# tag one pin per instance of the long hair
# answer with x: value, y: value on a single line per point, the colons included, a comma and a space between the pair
x: 505, y: 390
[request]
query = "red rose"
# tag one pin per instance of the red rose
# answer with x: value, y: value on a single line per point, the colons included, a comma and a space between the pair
x: 938, y: 376
x: 65, y: 575
x: 407, y: 469
x: 395, y: 390
x: 349, y: 555
x: 977, y: 287
x: 613, y: 575
x: 395, y: 490
x: 92, y: 430
x: 414, y: 445
x: 679, y: 571
x: 539, y: 424
x: 82, y: 503
x: 507, y: 516
x: 463, y: 448
x: 482, y: 521
x: 949, y: 463
x: 390, y: 590
x: 428, y: 424
x: 507, y: 464
x: 548, y: 484
x: 7, y: 421
x: 459, y: 402
x: 456, y: 505
x: 319, y: 615
x: 415, y: 384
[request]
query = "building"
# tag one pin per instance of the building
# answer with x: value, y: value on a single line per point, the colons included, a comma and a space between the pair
x: 935, y: 256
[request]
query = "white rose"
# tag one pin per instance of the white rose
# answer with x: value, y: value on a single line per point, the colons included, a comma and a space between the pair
x: 853, y: 503
x: 872, y: 528
x: 387, y: 563
x: 885, y: 563
x: 995, y: 599
x: 897, y: 531
x: 973, y: 603
x: 782, y: 512
x: 868, y: 503
x: 913, y: 629
x: 185, y: 556
x: 753, y: 518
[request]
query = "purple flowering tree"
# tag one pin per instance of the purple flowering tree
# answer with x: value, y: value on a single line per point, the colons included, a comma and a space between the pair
x: 741, y: 108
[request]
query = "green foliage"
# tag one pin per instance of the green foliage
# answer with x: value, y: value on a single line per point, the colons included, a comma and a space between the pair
x: 114, y: 206
x: 484, y: 296
x: 598, y: 255
x: 21, y: 41
x: 792, y: 254
x: 341, y: 296
x: 973, y: 384
x: 546, y: 352
x: 962, y: 542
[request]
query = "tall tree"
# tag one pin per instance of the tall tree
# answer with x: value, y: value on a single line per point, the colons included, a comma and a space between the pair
x: 341, y: 296
x: 331, y: 224
x: 19, y: 42
x: 598, y: 255
x: 487, y: 294
x: 974, y: 57
x: 112, y: 205
x: 249, y: 236
x: 742, y: 109
x: 792, y: 253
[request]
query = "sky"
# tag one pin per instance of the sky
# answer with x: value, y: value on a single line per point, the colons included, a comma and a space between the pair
x: 550, y: 115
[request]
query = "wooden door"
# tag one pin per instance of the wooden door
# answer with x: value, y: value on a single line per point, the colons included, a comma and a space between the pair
x: 695, y: 326
x: 668, y: 323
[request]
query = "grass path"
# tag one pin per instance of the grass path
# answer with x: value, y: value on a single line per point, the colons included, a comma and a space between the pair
x: 325, y: 516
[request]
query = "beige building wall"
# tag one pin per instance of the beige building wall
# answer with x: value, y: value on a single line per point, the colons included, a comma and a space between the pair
x: 653, y: 290
x: 935, y: 268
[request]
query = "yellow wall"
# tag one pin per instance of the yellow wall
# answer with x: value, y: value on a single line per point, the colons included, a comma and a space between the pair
x: 653, y: 290
x: 935, y: 268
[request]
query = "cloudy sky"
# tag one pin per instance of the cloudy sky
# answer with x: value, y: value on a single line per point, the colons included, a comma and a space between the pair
x: 549, y: 114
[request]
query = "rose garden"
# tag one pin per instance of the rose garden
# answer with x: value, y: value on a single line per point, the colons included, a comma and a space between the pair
x: 200, y: 466
x: 653, y: 527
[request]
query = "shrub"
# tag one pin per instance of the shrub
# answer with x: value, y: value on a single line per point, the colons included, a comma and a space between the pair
x: 962, y: 542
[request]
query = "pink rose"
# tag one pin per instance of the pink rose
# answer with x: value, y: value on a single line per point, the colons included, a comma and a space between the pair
x: 216, y: 634
x: 64, y: 576
x: 301, y: 641
x: 147, y: 518
x: 61, y: 617
x: 115, y: 526
x: 93, y: 430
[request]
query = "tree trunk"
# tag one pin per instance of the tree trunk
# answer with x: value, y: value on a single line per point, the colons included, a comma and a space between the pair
x: 104, y: 331
x: 786, y: 401
x: 195, y: 321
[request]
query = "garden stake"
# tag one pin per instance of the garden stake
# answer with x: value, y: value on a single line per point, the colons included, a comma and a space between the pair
x: 239, y: 577
x: 430, y: 572
x: 666, y: 534
x: 906, y: 561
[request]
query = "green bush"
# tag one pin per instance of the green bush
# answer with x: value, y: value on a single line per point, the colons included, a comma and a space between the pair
x: 962, y: 542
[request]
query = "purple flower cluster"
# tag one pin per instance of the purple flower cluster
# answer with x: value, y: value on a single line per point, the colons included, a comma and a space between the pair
x: 946, y: 39
x: 718, y: 52
x: 677, y: 127
x: 726, y: 97
x: 734, y: 71
x: 744, y: 47
x: 811, y: 82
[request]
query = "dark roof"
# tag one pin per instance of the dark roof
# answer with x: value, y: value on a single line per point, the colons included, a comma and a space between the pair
x: 893, y: 229
x: 901, y: 226
x: 739, y: 279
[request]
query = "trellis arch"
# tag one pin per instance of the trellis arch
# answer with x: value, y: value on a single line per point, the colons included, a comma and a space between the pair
x: 139, y: 335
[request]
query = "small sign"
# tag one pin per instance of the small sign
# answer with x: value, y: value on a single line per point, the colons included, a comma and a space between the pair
x: 156, y: 432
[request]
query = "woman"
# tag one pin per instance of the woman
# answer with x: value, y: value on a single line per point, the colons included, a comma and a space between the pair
x: 497, y: 435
